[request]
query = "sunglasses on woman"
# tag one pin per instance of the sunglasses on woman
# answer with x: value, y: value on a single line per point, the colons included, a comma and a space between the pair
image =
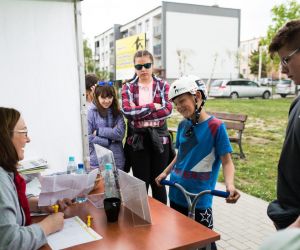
x: 140, y: 66
x: 105, y: 83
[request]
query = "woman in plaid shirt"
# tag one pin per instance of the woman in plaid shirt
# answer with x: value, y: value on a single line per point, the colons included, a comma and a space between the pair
x: 145, y: 104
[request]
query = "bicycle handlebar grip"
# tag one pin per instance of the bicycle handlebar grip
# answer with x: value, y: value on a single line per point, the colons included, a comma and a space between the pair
x: 220, y: 193
x: 166, y: 182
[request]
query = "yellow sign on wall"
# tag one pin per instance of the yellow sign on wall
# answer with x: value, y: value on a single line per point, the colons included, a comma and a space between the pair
x: 125, y: 50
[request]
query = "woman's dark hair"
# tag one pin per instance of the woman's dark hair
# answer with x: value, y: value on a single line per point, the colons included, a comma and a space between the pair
x: 106, y: 91
x: 141, y: 53
x: 8, y: 154
x: 90, y: 81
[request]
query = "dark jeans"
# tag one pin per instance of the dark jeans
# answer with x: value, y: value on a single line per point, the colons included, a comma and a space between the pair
x: 204, y: 217
x: 147, y: 164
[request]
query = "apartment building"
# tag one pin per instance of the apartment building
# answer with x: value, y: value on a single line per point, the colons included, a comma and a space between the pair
x: 183, y: 38
x: 246, y: 49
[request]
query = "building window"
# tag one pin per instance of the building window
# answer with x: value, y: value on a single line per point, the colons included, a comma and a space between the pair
x: 147, y: 25
x: 140, y: 28
x: 97, y: 44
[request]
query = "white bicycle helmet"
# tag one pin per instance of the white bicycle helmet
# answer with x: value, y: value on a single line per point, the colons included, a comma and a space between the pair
x: 187, y: 84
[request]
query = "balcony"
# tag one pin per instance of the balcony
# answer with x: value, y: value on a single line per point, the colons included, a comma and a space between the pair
x: 157, y: 31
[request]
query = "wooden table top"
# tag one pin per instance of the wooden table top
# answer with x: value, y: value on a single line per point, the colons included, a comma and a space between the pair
x: 169, y: 229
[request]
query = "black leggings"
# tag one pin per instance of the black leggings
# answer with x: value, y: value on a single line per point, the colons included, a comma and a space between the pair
x: 147, y: 164
x: 204, y: 217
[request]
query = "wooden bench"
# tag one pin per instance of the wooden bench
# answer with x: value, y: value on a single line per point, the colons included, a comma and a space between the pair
x: 233, y: 122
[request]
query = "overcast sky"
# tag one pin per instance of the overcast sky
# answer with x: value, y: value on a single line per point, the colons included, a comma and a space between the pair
x: 100, y: 15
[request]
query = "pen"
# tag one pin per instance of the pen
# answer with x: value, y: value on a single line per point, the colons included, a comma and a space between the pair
x: 55, y: 208
x: 88, y: 223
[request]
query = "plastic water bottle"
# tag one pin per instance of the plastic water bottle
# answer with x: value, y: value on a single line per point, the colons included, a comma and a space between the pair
x: 71, y: 168
x: 110, y: 188
x: 83, y: 196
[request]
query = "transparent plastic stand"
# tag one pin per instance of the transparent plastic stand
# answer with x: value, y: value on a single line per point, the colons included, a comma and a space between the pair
x: 135, y: 198
x: 133, y: 190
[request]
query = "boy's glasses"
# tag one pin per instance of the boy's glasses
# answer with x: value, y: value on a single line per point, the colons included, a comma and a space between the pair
x: 110, y: 83
x: 285, y: 60
x: 140, y: 66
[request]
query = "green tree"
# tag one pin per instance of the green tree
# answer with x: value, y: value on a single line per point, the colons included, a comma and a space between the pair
x: 280, y: 15
x: 90, y: 66
x: 254, y: 63
x: 88, y: 58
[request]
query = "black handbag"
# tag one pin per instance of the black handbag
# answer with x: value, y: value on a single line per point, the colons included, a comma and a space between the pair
x: 282, y: 217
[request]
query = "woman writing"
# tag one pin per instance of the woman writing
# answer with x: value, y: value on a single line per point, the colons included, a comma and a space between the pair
x: 145, y: 104
x: 16, y: 229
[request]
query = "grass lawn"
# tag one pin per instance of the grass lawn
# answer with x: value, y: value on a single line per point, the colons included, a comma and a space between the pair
x: 262, y: 141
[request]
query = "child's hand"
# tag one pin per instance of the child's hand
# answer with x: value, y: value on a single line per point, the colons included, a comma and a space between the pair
x: 234, y: 194
x: 158, y: 179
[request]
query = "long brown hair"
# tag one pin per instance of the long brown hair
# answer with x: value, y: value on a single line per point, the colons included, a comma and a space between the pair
x: 8, y: 154
x: 107, y: 91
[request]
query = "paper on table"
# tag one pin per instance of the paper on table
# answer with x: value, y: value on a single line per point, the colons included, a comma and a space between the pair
x: 75, y: 232
x: 57, y: 187
x: 33, y: 187
x: 32, y: 166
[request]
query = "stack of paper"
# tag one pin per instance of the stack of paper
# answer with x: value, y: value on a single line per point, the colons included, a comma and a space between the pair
x: 32, y: 166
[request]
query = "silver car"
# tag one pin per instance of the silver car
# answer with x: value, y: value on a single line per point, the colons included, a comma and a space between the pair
x: 286, y: 87
x: 238, y: 88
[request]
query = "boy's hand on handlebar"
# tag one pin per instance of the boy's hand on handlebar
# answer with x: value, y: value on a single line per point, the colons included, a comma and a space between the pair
x: 234, y: 194
x: 158, y: 179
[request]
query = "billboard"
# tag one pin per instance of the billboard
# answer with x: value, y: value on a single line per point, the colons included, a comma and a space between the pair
x: 125, y: 50
x: 202, y: 41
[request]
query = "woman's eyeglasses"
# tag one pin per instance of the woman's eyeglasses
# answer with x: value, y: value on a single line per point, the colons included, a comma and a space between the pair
x: 140, y: 66
x: 21, y: 131
x: 106, y: 83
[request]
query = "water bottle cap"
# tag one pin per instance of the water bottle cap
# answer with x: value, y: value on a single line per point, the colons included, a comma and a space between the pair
x: 71, y: 158
x: 80, y: 166
x: 108, y: 166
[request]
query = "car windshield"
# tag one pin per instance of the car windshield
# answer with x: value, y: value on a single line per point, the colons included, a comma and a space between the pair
x: 285, y: 81
x: 216, y: 83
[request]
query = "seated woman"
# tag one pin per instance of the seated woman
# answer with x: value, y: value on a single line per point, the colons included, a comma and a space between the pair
x: 16, y: 229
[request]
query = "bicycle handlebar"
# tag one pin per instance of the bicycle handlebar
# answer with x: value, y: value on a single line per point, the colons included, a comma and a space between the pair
x: 220, y: 193
x: 167, y: 182
x: 212, y: 192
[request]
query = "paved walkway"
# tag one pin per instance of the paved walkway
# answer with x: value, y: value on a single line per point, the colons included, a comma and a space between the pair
x: 244, y: 225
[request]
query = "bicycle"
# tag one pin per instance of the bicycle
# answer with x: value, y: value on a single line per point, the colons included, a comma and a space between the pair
x: 188, y: 196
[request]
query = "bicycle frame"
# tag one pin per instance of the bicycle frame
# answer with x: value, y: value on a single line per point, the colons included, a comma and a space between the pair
x: 193, y: 198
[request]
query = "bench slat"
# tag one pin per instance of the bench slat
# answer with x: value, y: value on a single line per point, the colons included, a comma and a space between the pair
x: 228, y: 116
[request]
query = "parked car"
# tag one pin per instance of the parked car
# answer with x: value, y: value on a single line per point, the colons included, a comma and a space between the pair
x: 266, y: 82
x: 286, y: 87
x: 238, y: 88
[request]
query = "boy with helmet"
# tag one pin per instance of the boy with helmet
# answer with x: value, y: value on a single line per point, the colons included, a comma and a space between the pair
x: 202, y: 144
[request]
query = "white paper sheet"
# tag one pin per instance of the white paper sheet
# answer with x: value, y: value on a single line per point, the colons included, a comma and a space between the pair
x: 75, y: 232
x: 57, y: 187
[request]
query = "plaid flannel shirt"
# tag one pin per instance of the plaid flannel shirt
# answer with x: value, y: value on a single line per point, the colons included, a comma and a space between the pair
x: 136, y: 112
